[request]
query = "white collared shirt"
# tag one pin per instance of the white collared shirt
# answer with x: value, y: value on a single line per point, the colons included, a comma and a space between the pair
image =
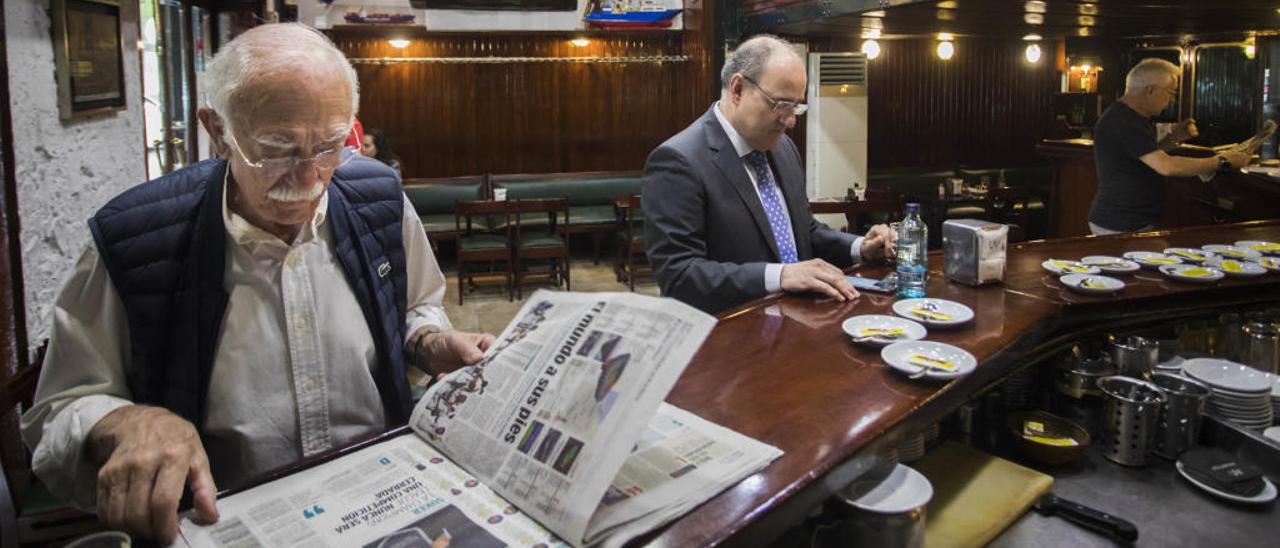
x: 292, y: 374
x: 772, y: 271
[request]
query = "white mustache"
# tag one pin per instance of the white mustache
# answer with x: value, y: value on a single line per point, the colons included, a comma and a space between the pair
x: 289, y: 193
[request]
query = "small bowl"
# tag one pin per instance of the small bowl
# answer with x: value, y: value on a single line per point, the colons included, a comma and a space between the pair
x: 1048, y: 455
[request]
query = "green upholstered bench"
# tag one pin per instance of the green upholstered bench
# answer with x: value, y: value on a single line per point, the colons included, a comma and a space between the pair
x: 434, y: 198
x: 590, y: 195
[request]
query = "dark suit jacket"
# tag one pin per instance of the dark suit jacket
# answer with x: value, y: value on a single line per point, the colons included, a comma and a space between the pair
x: 706, y: 234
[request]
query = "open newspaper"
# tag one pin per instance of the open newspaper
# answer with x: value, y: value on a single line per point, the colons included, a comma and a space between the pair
x: 559, y: 436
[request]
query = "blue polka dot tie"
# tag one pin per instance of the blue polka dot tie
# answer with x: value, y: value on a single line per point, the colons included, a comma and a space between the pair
x: 773, y: 206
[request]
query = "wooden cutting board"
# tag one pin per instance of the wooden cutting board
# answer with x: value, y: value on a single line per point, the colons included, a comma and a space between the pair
x: 975, y: 495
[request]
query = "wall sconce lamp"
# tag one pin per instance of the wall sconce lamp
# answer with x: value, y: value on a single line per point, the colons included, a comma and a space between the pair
x: 580, y: 42
x: 398, y: 43
x: 946, y: 48
x: 871, y: 49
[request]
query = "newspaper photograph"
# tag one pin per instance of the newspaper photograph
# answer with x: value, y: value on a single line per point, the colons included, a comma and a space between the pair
x: 548, y: 417
x: 400, y: 493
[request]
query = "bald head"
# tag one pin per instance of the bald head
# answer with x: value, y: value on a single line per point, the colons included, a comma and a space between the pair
x: 268, y: 57
x: 752, y: 57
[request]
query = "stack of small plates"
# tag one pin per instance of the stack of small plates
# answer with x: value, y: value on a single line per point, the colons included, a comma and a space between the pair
x: 1241, y: 394
x: 1275, y: 400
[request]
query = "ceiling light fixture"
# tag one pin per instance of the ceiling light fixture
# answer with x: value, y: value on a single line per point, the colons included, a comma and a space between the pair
x: 946, y: 50
x: 398, y: 43
x: 1250, y: 51
x: 580, y: 42
x: 1033, y: 18
x: 1031, y: 37
x: 1033, y: 53
x: 871, y: 49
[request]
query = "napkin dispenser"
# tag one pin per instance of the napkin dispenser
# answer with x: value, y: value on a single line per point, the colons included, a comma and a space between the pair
x: 974, y: 251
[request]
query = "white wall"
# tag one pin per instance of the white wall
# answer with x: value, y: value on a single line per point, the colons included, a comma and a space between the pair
x: 64, y: 172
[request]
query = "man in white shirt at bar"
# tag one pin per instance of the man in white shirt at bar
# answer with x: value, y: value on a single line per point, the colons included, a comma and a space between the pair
x: 238, y: 315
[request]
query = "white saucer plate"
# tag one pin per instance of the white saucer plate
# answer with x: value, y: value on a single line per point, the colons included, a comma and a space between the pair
x: 1189, y: 254
x: 1192, y: 273
x: 1269, y: 263
x: 899, y: 356
x: 1091, y: 284
x: 1151, y: 259
x: 1111, y: 265
x: 918, y: 310
x: 912, y: 331
x: 1272, y: 433
x: 1236, y: 268
x: 1228, y: 375
x: 1059, y: 266
x: 1231, y: 251
x: 1264, y: 247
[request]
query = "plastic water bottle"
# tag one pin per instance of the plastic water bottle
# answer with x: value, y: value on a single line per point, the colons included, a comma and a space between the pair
x: 913, y: 254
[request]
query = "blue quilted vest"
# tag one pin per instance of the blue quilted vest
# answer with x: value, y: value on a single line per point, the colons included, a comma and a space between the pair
x: 164, y: 245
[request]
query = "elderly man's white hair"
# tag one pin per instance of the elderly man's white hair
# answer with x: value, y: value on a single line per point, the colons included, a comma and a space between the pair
x: 271, y: 50
x: 1150, y: 72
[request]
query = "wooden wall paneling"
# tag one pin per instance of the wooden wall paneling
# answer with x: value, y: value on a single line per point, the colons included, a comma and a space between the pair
x: 447, y: 119
x: 985, y: 107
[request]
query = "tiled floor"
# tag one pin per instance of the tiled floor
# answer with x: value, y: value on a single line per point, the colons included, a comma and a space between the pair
x: 487, y: 310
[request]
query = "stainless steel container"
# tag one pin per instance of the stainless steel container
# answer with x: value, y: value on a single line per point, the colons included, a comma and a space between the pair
x: 1078, y: 372
x: 1180, y: 417
x: 973, y: 251
x: 884, y: 508
x: 1230, y: 339
x: 1260, y: 347
x: 1134, y: 356
x: 1133, y: 419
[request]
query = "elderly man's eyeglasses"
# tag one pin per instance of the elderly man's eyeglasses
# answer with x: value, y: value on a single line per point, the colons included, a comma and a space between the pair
x: 274, y: 167
x: 779, y: 106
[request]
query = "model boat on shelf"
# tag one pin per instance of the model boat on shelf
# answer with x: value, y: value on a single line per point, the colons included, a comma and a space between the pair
x: 379, y: 18
x: 631, y: 19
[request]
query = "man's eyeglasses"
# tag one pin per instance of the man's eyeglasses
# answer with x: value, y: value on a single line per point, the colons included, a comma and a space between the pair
x: 779, y: 106
x: 275, y: 167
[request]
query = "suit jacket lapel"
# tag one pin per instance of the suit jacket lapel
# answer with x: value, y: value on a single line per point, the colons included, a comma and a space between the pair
x: 735, y: 171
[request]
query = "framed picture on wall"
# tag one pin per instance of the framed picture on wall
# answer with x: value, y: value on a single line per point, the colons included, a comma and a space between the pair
x: 88, y: 57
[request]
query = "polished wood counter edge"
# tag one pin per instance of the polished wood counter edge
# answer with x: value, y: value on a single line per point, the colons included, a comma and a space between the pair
x: 839, y: 398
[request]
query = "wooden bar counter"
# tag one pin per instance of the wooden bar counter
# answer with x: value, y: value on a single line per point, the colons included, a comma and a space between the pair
x: 782, y: 371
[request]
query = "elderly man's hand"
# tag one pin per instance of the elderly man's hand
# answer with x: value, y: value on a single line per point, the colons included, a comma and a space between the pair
x: 1185, y: 130
x: 819, y: 276
x: 880, y: 241
x: 1237, y: 158
x: 146, y: 456
x: 444, y: 351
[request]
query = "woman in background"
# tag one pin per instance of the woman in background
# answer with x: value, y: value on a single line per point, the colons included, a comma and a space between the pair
x: 377, y: 146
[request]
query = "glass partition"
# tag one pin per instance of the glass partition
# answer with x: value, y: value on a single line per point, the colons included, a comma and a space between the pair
x: 1225, y: 83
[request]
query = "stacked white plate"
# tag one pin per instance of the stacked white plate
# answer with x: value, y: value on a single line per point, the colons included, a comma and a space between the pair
x: 1241, y: 394
x: 1275, y: 400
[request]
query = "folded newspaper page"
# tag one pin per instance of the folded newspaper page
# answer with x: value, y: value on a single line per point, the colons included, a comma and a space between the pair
x: 548, y: 417
x: 561, y: 426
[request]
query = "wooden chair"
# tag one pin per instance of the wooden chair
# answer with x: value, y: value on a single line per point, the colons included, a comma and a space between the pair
x: 535, y: 242
x: 630, y: 238
x: 477, y: 244
x: 846, y: 207
x: 28, y: 513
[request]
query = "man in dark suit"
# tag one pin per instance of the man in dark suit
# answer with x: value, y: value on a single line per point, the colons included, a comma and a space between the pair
x: 726, y: 216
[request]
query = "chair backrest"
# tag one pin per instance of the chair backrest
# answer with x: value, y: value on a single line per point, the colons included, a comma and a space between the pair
x: 557, y: 210
x: 582, y: 188
x: 465, y: 210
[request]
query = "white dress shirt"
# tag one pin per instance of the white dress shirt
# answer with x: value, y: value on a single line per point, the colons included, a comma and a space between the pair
x: 772, y: 271
x: 292, y: 374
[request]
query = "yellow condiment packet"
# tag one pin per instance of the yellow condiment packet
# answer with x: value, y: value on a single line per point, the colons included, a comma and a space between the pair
x: 1189, y: 254
x: 1091, y: 283
x: 1159, y: 260
x: 1196, y: 273
x: 926, y: 361
x: 1231, y: 266
x: 1265, y: 247
x: 1231, y: 252
x: 930, y: 314
x: 1270, y: 262
x: 874, y: 331
x: 1035, y: 431
x: 1060, y: 442
x: 1070, y: 267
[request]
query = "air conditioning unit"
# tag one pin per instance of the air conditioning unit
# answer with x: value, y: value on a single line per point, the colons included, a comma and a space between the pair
x: 836, y: 127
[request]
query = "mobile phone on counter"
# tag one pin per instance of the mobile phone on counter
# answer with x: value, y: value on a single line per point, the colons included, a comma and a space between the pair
x: 888, y: 284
